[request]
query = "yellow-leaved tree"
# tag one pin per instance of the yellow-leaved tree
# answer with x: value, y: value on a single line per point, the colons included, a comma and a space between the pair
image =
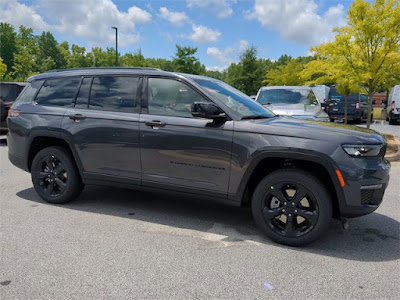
x: 365, y: 52
x: 3, y: 68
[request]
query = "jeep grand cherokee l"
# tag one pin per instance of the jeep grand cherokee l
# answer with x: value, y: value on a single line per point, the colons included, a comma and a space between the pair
x: 146, y: 128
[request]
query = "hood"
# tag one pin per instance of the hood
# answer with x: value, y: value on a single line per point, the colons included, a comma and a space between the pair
x: 297, y: 110
x: 313, y: 130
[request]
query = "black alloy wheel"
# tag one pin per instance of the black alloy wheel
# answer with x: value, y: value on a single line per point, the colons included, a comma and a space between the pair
x: 55, y: 176
x: 292, y: 207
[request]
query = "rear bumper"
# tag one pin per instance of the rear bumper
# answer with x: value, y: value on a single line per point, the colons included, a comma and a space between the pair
x: 18, y: 162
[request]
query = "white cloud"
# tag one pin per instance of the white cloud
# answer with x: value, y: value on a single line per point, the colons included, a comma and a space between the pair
x: 243, y: 46
x: 298, y: 20
x: 92, y: 20
x: 216, y: 68
x: 222, y: 8
x: 220, y: 55
x: 202, y: 34
x: 16, y: 14
x: 176, y: 18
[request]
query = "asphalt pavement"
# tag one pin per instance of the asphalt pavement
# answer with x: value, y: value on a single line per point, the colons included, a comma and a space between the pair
x: 384, y: 127
x: 120, y: 244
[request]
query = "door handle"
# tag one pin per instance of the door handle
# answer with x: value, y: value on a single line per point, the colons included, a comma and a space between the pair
x: 77, y: 117
x: 154, y: 123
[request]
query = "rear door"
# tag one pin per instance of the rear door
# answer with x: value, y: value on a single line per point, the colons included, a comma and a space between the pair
x: 179, y: 151
x: 103, y: 126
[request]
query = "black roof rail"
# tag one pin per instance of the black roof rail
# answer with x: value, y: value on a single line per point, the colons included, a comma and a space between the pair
x: 103, y: 68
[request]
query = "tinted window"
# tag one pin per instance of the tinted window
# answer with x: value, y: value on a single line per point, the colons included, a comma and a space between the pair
x: 114, y: 93
x: 169, y: 97
x: 234, y: 99
x: 58, y: 92
x: 82, y: 98
x: 29, y: 92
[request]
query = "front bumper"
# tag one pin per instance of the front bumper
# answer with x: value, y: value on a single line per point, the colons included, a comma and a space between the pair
x: 365, y: 186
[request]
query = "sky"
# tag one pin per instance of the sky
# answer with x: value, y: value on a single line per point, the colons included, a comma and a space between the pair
x: 220, y: 29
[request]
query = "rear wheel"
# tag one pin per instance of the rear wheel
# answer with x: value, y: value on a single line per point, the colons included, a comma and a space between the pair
x: 292, y: 207
x: 392, y: 121
x: 55, y: 176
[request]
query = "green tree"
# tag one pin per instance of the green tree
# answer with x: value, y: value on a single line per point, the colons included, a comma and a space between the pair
x: 8, y: 44
x: 49, y: 55
x: 288, y: 74
x: 3, y: 68
x: 369, y: 46
x: 186, y: 62
x: 78, y: 58
x: 25, y: 56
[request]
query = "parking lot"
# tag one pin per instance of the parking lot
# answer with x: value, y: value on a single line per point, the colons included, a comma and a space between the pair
x: 118, y: 243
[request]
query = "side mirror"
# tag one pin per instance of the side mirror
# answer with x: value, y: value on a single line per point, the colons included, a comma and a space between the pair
x: 253, y: 97
x: 206, y: 110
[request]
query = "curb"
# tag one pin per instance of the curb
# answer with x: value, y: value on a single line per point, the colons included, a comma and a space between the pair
x: 394, y: 156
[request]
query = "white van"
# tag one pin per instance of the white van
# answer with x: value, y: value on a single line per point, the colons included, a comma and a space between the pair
x: 393, y: 105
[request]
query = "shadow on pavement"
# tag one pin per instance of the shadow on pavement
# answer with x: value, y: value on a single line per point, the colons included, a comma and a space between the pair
x: 370, y: 238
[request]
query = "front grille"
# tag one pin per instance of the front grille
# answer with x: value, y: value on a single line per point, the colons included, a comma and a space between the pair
x: 366, y: 197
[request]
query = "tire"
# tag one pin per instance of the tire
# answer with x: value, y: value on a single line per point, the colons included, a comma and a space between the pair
x: 392, y: 121
x: 332, y: 120
x: 55, y: 176
x: 272, y: 207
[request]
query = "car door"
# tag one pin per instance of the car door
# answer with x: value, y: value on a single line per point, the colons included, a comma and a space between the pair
x: 179, y: 151
x: 103, y: 126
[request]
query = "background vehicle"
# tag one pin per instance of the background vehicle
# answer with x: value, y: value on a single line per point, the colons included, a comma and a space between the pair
x: 322, y: 93
x: 9, y: 91
x: 393, y: 105
x: 357, y: 106
x: 296, y: 101
x: 146, y: 128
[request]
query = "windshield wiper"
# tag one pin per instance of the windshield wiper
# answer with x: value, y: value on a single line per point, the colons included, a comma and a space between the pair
x: 254, y: 117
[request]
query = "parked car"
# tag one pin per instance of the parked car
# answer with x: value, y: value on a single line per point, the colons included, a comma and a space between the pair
x: 321, y: 92
x: 295, y: 101
x: 393, y: 105
x: 357, y: 106
x: 9, y: 91
x: 146, y: 128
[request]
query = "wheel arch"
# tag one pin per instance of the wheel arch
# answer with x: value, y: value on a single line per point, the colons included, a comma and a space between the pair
x: 316, y: 164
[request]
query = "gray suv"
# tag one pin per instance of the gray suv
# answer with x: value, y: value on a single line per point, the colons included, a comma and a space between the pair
x: 146, y: 128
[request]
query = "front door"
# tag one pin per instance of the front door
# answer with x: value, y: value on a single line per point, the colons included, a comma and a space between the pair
x: 179, y: 151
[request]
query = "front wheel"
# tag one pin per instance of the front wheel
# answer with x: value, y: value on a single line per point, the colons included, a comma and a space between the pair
x: 292, y: 207
x: 55, y: 175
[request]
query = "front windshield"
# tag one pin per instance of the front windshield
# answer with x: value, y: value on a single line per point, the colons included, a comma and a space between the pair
x: 234, y: 99
x: 287, y: 96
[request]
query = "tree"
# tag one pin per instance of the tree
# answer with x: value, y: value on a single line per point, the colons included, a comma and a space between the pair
x: 7, y: 44
x: 186, y: 62
x: 78, y: 58
x: 289, y: 74
x: 49, y: 55
x: 3, y: 68
x: 369, y: 45
x: 25, y: 56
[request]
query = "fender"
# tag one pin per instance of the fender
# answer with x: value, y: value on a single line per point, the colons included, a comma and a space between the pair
x: 290, y: 153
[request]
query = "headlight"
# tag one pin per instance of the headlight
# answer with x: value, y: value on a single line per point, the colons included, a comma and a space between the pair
x: 362, y: 150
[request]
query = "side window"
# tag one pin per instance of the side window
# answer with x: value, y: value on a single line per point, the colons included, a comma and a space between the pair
x: 364, y: 98
x: 82, y: 99
x: 312, y: 99
x: 114, y: 93
x: 168, y: 97
x: 29, y: 92
x: 57, y: 92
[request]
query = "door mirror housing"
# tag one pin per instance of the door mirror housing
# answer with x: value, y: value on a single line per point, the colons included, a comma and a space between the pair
x: 206, y: 110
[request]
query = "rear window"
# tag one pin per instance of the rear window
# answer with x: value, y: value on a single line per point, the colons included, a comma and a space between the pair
x: 58, y: 92
x: 29, y: 92
x: 287, y: 96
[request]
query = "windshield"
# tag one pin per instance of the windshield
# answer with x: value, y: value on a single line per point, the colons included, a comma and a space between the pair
x: 287, y: 96
x: 234, y: 99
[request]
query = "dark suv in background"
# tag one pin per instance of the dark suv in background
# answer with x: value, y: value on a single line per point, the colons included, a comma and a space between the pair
x: 357, y: 106
x: 146, y: 128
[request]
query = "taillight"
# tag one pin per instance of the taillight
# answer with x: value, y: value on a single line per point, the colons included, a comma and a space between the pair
x: 324, y: 100
x: 14, y: 113
x: 327, y: 108
x: 393, y: 103
x: 358, y: 105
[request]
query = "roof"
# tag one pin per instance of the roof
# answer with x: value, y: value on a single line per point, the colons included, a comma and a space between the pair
x: 285, y: 87
x: 101, y: 71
